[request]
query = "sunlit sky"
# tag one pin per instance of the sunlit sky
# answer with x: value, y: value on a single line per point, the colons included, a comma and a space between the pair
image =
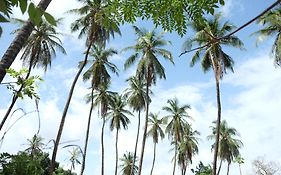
x: 251, y: 96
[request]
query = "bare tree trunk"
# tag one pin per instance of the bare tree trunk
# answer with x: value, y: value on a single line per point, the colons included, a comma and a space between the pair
x: 219, y: 167
x: 18, y: 42
x: 102, y: 146
x: 228, y: 165
x: 87, y: 133
x: 136, y: 145
x: 218, y: 122
x: 154, y: 155
x: 116, y: 152
x: 145, y: 125
x: 52, y: 166
x: 175, y: 158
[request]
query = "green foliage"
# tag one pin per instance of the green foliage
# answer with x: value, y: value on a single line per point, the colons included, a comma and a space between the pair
x: 33, y: 11
x: 29, y: 85
x: 202, y: 169
x: 170, y: 14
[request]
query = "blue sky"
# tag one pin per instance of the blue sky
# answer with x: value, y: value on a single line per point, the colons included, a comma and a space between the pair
x: 250, y: 97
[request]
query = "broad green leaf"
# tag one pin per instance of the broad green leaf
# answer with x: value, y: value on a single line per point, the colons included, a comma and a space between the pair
x: 50, y: 18
x: 23, y: 5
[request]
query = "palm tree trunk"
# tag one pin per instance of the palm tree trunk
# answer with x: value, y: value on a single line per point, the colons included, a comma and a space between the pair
x: 175, y: 158
x: 136, y: 145
x: 228, y: 165
x: 240, y: 169
x: 217, y: 73
x: 52, y: 166
x: 219, y: 167
x: 116, y: 152
x: 16, y: 45
x: 145, y: 125
x: 154, y: 155
x: 102, y: 145
x: 87, y: 133
x: 16, y: 96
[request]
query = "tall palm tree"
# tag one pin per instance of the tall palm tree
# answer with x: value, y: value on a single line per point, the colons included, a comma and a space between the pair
x: 229, y: 145
x: 147, y: 49
x: 240, y: 160
x: 19, y: 42
x: 187, y: 148
x: 272, y: 27
x: 155, y: 131
x: 213, y: 57
x: 117, y: 115
x: 136, y: 95
x: 175, y: 128
x: 102, y: 97
x: 128, y: 167
x: 98, y: 73
x: 98, y: 25
x: 39, y: 50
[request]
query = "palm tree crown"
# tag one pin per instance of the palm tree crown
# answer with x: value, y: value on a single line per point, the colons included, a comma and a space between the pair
x: 98, y: 71
x: 127, y: 162
x: 96, y: 22
x: 272, y: 27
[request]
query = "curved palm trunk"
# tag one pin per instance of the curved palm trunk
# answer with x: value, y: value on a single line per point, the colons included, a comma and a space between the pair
x: 16, y: 45
x: 219, y: 168
x: 52, y: 166
x: 136, y: 145
x: 87, y: 134
x: 145, y: 126
x: 116, y: 151
x: 15, y: 97
x: 175, y: 158
x: 228, y: 165
x: 102, y: 145
x: 154, y: 153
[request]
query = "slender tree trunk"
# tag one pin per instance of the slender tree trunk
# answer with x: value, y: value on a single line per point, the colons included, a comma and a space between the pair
x: 116, y: 152
x: 145, y: 125
x: 16, y: 96
x: 52, y: 166
x: 228, y: 165
x: 18, y: 42
x: 87, y: 133
x: 217, y: 73
x: 175, y: 158
x: 154, y: 155
x: 136, y: 145
x: 240, y: 169
x: 219, y: 167
x: 102, y: 145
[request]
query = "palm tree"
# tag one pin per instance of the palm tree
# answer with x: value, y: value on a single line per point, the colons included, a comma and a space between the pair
x: 128, y: 167
x: 228, y: 145
x: 272, y: 27
x: 175, y: 127
x: 19, y: 42
x: 147, y: 49
x: 39, y: 50
x: 187, y: 147
x: 98, y: 73
x: 117, y: 116
x: 136, y: 95
x: 35, y: 145
x: 155, y: 124
x: 102, y: 98
x: 75, y: 155
x: 98, y: 25
x: 240, y: 160
x: 212, y: 56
